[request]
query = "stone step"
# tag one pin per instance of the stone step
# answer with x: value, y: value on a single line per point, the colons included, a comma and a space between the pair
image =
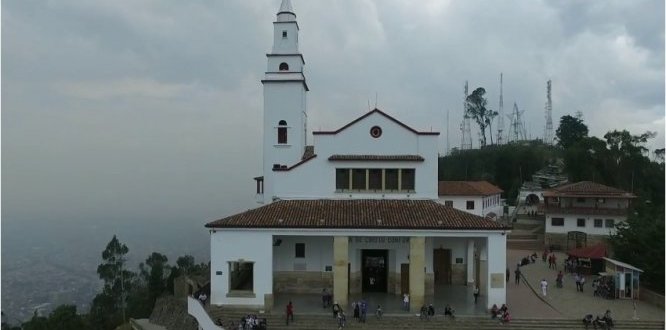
x: 530, y: 244
x: 316, y: 321
x: 521, y: 236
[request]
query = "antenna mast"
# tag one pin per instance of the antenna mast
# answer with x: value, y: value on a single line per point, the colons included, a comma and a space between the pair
x: 500, y: 116
x: 447, y: 133
x: 548, y: 136
x: 466, y: 132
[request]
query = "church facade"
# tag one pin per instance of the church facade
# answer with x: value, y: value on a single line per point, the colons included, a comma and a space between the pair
x: 354, y: 211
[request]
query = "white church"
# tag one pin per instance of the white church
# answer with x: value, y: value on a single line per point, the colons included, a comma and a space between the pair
x: 353, y: 210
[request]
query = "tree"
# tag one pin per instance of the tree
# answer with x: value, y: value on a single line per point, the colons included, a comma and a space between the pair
x: 64, y: 317
x: 640, y: 242
x: 476, y: 108
x: 570, y: 131
x: 155, y: 273
x: 108, y: 308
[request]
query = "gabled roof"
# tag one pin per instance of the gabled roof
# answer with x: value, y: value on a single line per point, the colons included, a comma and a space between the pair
x: 358, y: 214
x: 467, y: 188
x: 587, y: 188
x: 368, y: 114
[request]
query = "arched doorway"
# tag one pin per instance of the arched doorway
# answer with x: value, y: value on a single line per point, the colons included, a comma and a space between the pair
x: 532, y: 199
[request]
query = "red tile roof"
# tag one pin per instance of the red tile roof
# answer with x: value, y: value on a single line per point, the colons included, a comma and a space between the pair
x: 368, y: 114
x: 357, y: 214
x: 415, y: 158
x: 467, y: 188
x: 587, y: 188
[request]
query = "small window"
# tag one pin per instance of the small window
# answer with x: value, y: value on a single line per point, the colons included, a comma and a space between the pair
x: 610, y: 223
x: 580, y: 200
x: 598, y: 223
x: 470, y: 205
x: 282, y: 132
x: 358, y: 179
x: 284, y: 34
x: 391, y: 179
x: 341, y: 179
x: 241, y: 276
x: 300, y: 250
x: 407, y: 179
x: 580, y: 222
x: 557, y: 222
x: 375, y: 179
x: 448, y: 203
x: 284, y: 66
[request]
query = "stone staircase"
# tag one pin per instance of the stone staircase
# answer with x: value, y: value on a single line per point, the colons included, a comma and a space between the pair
x: 526, y: 235
x: 326, y: 321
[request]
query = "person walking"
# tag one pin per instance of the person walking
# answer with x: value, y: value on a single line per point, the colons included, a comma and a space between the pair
x: 577, y: 278
x: 357, y: 311
x: 560, y: 278
x: 554, y: 261
x: 544, y: 287
x: 517, y: 275
x: 476, y: 293
x: 290, y: 312
x: 582, y: 282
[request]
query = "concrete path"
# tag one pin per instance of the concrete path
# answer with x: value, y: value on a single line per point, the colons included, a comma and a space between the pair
x: 521, y: 300
x: 567, y: 301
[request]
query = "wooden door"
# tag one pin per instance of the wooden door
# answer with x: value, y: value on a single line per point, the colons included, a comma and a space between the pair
x: 404, y: 278
x: 442, y: 266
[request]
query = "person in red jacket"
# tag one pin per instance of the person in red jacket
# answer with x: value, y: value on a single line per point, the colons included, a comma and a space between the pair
x: 290, y: 312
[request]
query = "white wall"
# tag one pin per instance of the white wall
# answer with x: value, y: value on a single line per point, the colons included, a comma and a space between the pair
x: 316, y: 178
x: 318, y: 253
x: 571, y: 223
x: 496, y: 264
x: 460, y: 203
x: 253, y: 246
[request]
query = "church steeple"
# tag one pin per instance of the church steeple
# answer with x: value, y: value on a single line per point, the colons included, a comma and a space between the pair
x: 286, y: 12
x: 285, y: 106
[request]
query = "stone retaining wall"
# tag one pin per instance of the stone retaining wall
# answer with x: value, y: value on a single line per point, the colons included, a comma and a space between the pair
x: 302, y: 282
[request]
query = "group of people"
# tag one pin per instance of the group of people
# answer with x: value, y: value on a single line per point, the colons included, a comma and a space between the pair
x: 502, y: 313
x: 428, y: 312
x: 605, y: 322
x: 361, y: 310
x: 604, y: 287
x: 252, y: 322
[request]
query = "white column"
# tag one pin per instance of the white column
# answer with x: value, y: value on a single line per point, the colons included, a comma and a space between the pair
x: 496, y: 273
x: 470, y: 261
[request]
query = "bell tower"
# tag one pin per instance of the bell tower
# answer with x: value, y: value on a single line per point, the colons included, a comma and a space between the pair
x: 285, y: 109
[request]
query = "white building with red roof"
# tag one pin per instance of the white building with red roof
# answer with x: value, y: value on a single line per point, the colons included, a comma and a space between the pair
x: 583, y: 213
x: 356, y: 211
x: 481, y: 198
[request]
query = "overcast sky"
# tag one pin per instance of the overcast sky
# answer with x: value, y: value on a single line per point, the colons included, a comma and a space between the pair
x: 151, y: 110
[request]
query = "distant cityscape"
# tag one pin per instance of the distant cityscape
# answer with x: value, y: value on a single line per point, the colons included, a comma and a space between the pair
x: 42, y: 268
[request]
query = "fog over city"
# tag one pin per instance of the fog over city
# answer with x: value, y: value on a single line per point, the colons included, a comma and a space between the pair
x: 143, y: 118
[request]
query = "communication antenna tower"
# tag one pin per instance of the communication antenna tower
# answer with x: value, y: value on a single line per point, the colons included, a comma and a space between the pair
x: 500, y: 117
x: 448, y: 149
x: 518, y: 132
x: 466, y: 132
x: 548, y: 136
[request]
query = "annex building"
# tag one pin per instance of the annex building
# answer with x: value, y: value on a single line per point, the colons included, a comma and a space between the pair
x: 353, y: 210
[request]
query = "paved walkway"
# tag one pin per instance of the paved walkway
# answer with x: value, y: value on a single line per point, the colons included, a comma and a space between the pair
x: 520, y: 299
x: 566, y: 301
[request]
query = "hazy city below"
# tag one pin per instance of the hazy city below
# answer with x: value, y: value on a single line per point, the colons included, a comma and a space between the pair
x: 48, y: 264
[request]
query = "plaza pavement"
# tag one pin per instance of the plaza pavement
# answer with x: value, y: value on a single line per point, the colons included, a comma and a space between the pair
x: 564, y: 302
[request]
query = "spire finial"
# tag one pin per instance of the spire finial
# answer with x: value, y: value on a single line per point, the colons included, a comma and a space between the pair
x: 286, y: 7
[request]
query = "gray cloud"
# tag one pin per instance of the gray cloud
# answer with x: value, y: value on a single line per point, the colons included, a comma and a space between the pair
x: 152, y: 110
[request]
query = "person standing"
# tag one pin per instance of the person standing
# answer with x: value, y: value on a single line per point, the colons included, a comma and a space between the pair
x: 508, y: 274
x: 476, y: 293
x: 554, y: 262
x: 582, y: 282
x: 357, y: 311
x: 517, y: 272
x: 544, y: 287
x: 405, y: 301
